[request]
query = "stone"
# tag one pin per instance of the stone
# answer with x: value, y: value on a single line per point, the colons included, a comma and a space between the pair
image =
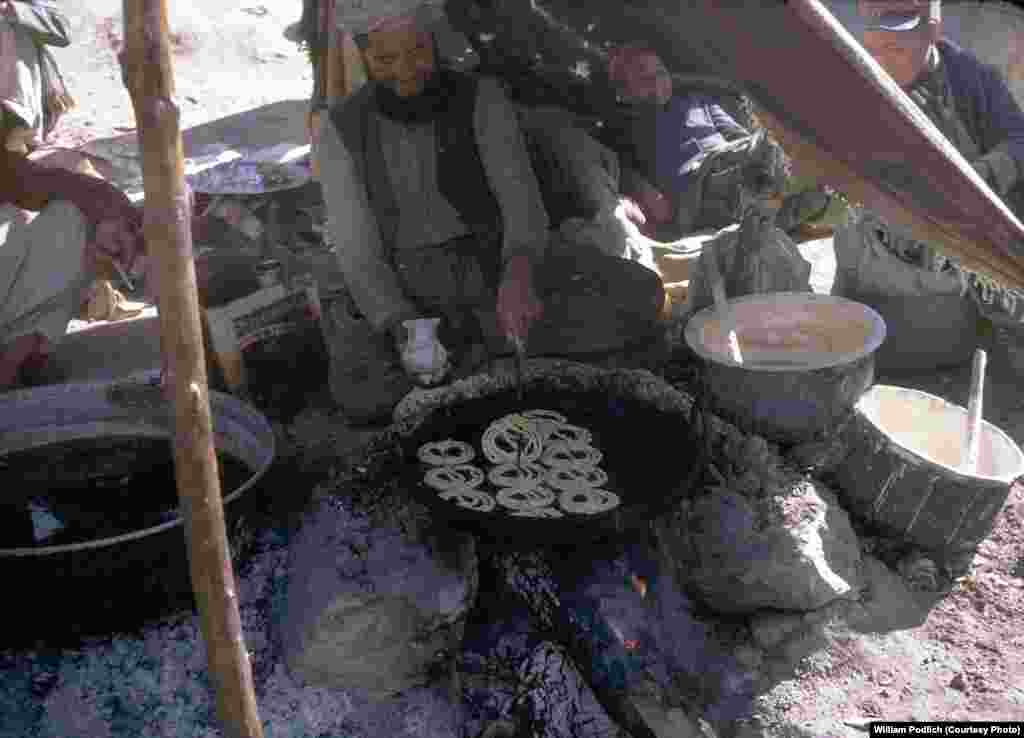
x: 770, y: 630
x: 794, y: 550
x: 667, y: 722
x: 375, y: 602
x: 749, y: 657
x: 886, y: 603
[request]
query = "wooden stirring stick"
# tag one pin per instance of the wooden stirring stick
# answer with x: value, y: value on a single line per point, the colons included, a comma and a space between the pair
x: 972, y: 438
x: 520, y: 347
x: 723, y: 308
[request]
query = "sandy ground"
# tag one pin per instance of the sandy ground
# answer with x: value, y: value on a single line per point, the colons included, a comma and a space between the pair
x: 229, y: 55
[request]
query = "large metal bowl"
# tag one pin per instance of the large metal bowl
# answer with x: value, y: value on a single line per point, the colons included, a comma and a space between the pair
x: 903, y: 472
x: 784, y: 390
x: 53, y: 414
x: 113, y: 582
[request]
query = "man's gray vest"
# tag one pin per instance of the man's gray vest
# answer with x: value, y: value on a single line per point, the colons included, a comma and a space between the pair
x: 462, y: 179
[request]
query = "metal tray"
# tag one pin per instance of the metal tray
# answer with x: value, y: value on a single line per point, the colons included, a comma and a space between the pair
x: 242, y: 177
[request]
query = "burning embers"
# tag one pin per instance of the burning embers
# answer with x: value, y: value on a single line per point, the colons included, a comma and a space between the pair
x: 589, y: 627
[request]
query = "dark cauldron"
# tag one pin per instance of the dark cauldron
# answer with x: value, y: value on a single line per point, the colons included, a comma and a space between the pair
x: 101, y: 582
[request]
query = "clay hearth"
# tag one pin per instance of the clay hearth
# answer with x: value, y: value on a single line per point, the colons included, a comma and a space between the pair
x: 673, y: 620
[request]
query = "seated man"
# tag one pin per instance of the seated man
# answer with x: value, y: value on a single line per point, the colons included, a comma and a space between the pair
x: 436, y: 212
x: 971, y: 105
x: 685, y: 159
x: 46, y: 264
x: 663, y: 138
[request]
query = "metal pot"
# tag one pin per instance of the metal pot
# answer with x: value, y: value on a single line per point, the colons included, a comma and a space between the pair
x: 145, y: 569
x: 903, y: 472
x: 807, y: 359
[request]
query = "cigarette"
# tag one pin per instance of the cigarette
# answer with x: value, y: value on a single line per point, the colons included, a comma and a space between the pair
x: 124, y: 277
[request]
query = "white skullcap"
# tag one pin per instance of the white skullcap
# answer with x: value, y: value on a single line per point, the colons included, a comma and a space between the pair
x: 357, y: 16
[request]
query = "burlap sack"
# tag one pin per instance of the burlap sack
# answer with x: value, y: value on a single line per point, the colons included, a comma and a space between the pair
x: 756, y: 259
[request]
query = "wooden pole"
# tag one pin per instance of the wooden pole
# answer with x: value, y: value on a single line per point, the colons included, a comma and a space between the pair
x: 148, y: 74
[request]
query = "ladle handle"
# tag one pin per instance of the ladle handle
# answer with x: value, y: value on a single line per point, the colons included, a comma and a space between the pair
x: 722, y: 306
x: 972, y: 438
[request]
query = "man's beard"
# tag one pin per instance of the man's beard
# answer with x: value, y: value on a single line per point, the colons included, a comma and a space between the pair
x: 423, y: 107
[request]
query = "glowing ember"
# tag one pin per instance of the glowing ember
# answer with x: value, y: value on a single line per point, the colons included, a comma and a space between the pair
x: 638, y: 584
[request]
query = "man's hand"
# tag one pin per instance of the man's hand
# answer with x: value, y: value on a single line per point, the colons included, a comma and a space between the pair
x: 116, y: 239
x: 518, y: 306
x: 655, y: 206
x: 15, y: 354
x: 118, y: 223
x: 632, y: 211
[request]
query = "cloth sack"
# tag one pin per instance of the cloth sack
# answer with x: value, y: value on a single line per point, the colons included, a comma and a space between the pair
x: 755, y: 259
x: 43, y: 20
x: 867, y: 262
x: 32, y: 90
x: 753, y: 164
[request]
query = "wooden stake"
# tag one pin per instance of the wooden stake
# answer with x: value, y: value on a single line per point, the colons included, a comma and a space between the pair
x: 148, y: 74
x: 972, y: 438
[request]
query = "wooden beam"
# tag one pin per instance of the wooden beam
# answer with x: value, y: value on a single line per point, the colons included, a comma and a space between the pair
x: 148, y: 74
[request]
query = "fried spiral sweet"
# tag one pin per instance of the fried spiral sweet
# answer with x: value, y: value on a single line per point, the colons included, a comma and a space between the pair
x: 471, y: 499
x: 525, y: 498
x: 564, y: 453
x: 588, y: 500
x: 504, y: 443
x: 448, y: 452
x: 571, y: 476
x: 444, y: 478
x: 514, y: 475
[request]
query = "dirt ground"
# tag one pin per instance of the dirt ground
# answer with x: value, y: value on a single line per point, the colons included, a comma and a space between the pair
x: 229, y: 56
x: 966, y: 661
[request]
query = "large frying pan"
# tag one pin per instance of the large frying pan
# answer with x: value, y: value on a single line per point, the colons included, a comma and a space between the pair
x: 653, y: 459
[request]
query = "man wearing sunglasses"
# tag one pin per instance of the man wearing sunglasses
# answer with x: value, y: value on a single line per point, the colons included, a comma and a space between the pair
x: 971, y: 105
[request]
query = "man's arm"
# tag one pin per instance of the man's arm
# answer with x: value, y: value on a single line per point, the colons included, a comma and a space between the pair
x: 368, y: 273
x: 31, y: 186
x: 510, y: 174
x: 1002, y: 164
x: 725, y: 124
